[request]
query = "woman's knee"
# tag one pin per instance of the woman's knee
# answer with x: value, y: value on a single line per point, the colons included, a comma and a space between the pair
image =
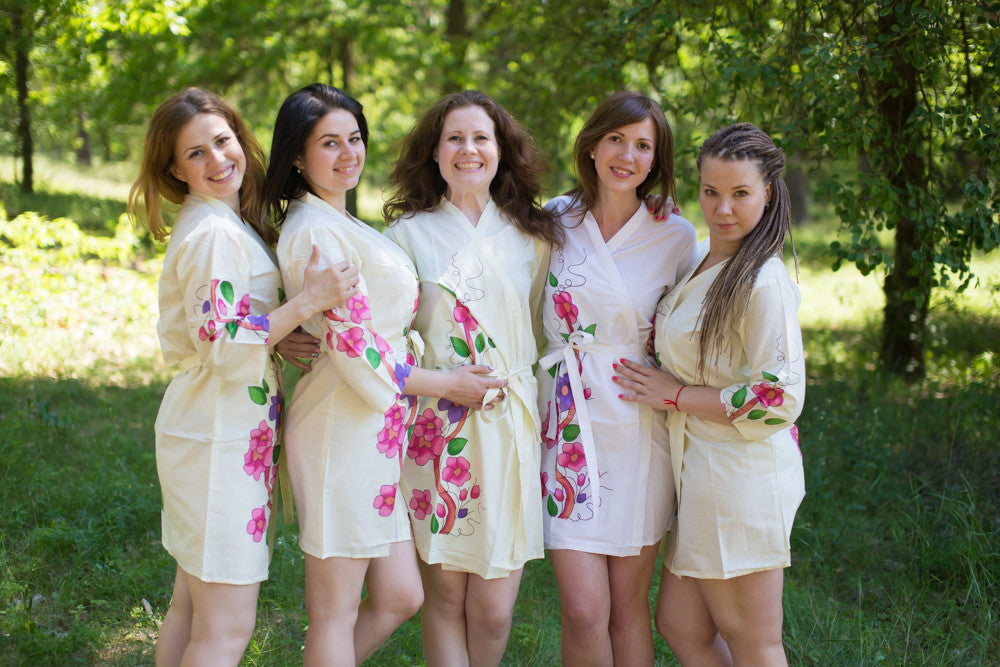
x: 401, y: 602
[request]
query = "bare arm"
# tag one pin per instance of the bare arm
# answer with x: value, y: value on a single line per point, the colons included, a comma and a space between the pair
x: 662, y: 391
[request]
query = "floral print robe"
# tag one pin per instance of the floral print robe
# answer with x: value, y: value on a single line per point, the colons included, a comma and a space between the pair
x: 605, y: 474
x: 217, y: 425
x: 470, y: 476
x: 347, y: 420
x: 738, y: 484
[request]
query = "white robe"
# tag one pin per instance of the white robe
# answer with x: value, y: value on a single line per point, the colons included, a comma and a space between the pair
x: 347, y: 421
x: 599, y: 304
x: 739, y: 484
x: 471, y: 476
x: 217, y: 425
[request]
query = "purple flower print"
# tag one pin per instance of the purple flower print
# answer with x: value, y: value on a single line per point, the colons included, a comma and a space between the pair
x: 455, y: 412
x: 257, y: 525
x: 276, y: 410
x: 563, y: 392
x: 385, y: 501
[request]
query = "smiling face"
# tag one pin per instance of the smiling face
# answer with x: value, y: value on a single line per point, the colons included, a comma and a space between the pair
x: 467, y: 152
x: 733, y: 196
x: 624, y: 156
x: 208, y: 158
x: 333, y: 157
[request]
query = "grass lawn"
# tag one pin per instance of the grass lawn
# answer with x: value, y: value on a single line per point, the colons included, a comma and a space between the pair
x: 896, y: 549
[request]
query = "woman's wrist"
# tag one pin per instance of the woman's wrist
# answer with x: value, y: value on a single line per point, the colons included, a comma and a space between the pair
x: 677, y: 396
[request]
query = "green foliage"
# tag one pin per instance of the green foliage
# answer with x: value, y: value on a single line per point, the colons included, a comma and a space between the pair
x: 895, y: 555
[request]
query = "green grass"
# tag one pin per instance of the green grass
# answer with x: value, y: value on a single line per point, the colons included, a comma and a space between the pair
x: 896, y: 549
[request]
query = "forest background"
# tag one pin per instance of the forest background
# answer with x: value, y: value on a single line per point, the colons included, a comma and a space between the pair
x: 887, y: 110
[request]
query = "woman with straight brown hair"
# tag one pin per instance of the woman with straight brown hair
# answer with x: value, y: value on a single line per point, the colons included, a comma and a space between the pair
x: 606, y: 482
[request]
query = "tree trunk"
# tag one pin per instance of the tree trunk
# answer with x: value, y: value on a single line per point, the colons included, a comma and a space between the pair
x: 22, y: 46
x: 798, y: 188
x: 83, y: 153
x: 908, y: 284
x: 457, y: 38
x: 346, y: 58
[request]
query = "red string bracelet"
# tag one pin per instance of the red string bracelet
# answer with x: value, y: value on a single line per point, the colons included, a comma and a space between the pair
x: 667, y: 401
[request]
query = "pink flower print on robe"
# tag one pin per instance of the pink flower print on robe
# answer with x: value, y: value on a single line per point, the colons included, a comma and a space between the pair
x: 357, y: 306
x: 463, y: 316
x: 385, y: 501
x: 572, y: 456
x: 257, y: 525
x: 428, y: 440
x: 420, y: 503
x: 352, y: 342
x: 769, y: 395
x: 259, y: 458
x: 566, y: 310
x: 390, y: 438
x: 456, y: 470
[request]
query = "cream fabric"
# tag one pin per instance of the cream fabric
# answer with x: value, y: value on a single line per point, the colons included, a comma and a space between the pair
x: 599, y: 303
x: 740, y: 484
x: 471, y: 476
x: 216, y: 427
x: 345, y: 433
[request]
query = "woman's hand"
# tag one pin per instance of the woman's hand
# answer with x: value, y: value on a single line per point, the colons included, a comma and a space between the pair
x: 297, y: 346
x: 648, y: 385
x: 661, y: 207
x: 467, y: 385
x: 330, y: 286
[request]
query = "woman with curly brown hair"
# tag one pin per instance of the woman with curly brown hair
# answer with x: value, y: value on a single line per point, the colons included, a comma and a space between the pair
x: 466, y: 199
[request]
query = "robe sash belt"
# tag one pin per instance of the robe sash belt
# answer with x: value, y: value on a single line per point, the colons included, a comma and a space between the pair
x: 520, y: 383
x: 584, y: 341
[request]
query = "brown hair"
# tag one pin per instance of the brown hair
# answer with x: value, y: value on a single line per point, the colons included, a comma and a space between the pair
x: 515, y: 189
x: 156, y: 182
x: 729, y: 295
x: 617, y: 110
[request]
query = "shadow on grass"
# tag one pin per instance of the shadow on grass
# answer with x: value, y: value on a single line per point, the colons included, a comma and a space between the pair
x: 95, y: 215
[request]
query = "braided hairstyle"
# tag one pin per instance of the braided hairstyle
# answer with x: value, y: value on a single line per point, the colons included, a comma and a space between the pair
x: 729, y: 295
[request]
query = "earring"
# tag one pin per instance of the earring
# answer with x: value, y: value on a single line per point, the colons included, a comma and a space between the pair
x: 298, y: 170
x: 591, y: 155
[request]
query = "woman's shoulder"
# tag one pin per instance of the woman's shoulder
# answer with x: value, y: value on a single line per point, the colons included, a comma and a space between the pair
x: 773, y: 274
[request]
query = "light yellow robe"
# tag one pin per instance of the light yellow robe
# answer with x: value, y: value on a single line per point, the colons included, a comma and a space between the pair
x: 738, y: 484
x: 216, y: 428
x: 346, y: 425
x: 471, y: 476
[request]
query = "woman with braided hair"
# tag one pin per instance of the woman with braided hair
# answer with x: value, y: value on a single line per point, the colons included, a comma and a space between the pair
x: 732, y: 380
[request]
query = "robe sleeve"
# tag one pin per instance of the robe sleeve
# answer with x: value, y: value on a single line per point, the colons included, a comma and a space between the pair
x: 213, y: 272
x: 771, y: 398
x: 543, y: 252
x: 360, y: 354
